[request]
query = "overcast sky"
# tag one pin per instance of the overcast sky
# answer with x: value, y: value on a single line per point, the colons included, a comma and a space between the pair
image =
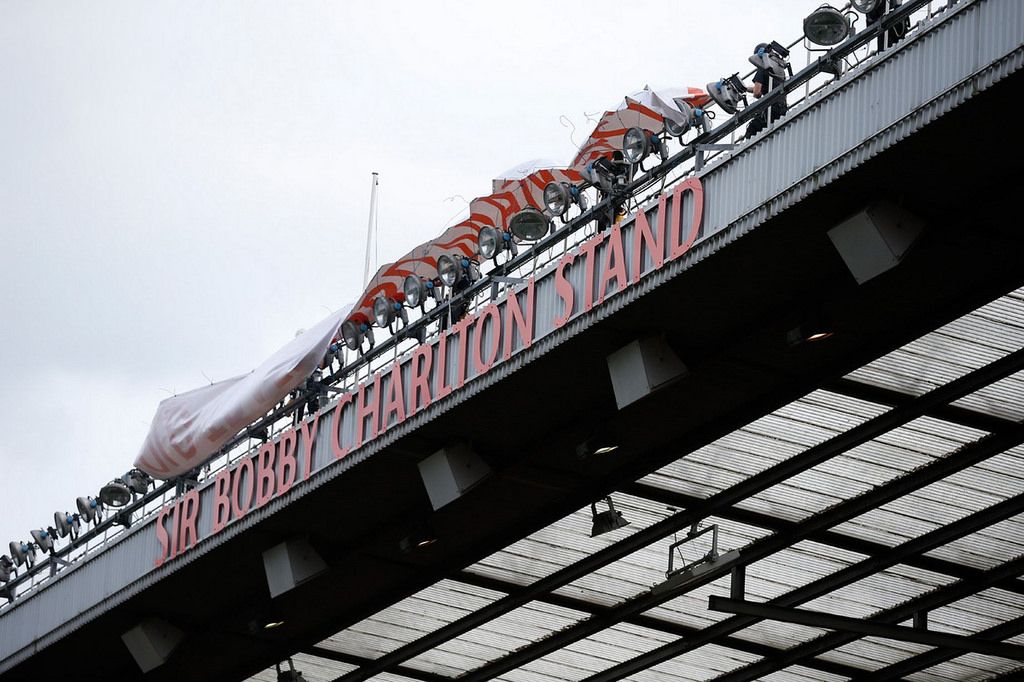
x: 185, y: 184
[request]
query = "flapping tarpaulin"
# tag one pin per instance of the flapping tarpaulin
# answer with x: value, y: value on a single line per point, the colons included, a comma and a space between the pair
x: 191, y: 427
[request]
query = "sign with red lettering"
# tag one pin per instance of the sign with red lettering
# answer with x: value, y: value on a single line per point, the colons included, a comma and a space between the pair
x: 598, y: 269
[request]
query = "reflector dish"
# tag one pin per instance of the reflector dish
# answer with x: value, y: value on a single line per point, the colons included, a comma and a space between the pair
x: 529, y: 224
x: 826, y: 26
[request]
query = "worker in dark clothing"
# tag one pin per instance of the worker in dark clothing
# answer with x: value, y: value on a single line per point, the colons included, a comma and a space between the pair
x: 763, y: 83
x: 895, y: 33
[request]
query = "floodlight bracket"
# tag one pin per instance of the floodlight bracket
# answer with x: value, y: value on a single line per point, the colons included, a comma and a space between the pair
x: 496, y: 279
x: 56, y: 563
x: 699, y: 149
x: 693, y: 534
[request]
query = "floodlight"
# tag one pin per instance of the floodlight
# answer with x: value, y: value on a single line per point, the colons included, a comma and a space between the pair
x: 66, y: 524
x: 827, y: 26
x: 674, y: 127
x: 635, y: 145
x: 6, y: 568
x: 529, y: 224
x: 115, y: 494
x: 23, y: 553
x: 488, y: 241
x: 447, y: 270
x: 420, y: 538
x: 728, y: 93
x: 865, y: 6
x: 138, y: 481
x: 413, y: 288
x: 556, y: 198
x: 559, y: 196
x: 606, y: 521
x: 771, y: 57
x: 383, y: 311
x: 351, y: 335
x: 89, y: 509
x: 816, y: 327
x: 43, y: 539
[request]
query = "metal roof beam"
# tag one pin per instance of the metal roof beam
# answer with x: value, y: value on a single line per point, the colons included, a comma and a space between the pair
x: 987, y: 446
x: 352, y: 659
x: 828, y: 537
x: 652, y: 623
x: 813, y: 456
x: 865, y: 628
x: 927, y: 659
x: 926, y: 602
x: 959, y: 460
x: 886, y: 396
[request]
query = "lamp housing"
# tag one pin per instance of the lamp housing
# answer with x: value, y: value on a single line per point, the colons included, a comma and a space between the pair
x: 115, y: 494
x: 728, y: 93
x: 866, y: 6
x: 89, y: 509
x: 606, y: 521
x: 827, y: 26
x: 529, y: 224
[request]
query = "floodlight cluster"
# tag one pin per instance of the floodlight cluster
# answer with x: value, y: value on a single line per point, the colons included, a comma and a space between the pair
x: 519, y: 213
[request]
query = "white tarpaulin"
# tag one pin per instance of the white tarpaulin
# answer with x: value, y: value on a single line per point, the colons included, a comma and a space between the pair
x: 191, y: 427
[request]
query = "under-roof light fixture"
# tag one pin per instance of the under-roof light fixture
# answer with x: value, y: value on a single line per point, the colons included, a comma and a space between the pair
x: 421, y: 537
x: 602, y: 442
x: 816, y: 327
x: 606, y: 521
x: 530, y: 224
x: 290, y: 675
x: 273, y: 624
x: 728, y: 93
x: 827, y: 26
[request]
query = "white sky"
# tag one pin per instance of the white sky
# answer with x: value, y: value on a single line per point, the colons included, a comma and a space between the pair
x: 185, y: 184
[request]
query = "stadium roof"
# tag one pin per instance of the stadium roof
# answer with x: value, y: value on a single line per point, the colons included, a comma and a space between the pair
x: 908, y: 500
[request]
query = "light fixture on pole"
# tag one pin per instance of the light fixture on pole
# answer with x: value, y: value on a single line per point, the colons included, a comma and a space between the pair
x: 387, y: 311
x: 66, y: 524
x: 417, y: 290
x: 44, y: 539
x: 827, y: 26
x: 354, y: 331
x: 90, y: 509
x: 115, y: 494
x: 866, y: 6
x: 691, y: 117
x: 772, y: 57
x: 638, y: 143
x: 23, y: 553
x: 530, y: 224
x: 559, y: 196
x: 606, y: 521
x: 728, y: 93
